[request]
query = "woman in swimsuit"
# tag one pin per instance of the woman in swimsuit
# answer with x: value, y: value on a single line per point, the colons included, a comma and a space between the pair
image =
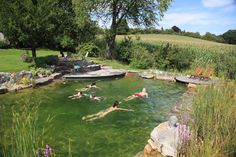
x: 76, y: 96
x: 103, y: 113
x: 143, y: 93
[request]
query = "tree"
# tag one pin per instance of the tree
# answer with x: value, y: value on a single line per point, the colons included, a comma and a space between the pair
x: 123, y: 28
x: 36, y: 23
x: 230, y: 36
x: 27, y: 23
x: 176, y: 29
x: 71, y: 29
x: 137, y: 12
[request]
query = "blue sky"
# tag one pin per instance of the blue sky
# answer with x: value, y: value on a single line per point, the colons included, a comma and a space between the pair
x: 215, y: 16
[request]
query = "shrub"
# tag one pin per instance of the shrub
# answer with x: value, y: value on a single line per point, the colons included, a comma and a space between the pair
x: 41, y: 72
x: 124, y: 50
x: 141, y: 58
x: 4, y: 44
x: 179, y: 58
x: 25, y: 81
x: 89, y: 47
x: 47, y: 60
x: 226, y: 65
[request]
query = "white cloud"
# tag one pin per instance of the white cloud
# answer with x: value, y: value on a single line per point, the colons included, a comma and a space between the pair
x: 189, y: 19
x: 196, y: 22
x: 218, y: 3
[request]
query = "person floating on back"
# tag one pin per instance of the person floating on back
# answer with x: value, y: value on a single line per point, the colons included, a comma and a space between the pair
x: 92, y: 85
x: 103, y: 113
x: 142, y: 94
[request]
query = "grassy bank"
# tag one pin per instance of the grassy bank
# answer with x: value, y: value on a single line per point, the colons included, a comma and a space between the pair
x: 10, y: 59
x: 213, y: 127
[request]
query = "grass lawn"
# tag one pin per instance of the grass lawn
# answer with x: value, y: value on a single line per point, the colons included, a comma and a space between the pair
x: 10, y: 60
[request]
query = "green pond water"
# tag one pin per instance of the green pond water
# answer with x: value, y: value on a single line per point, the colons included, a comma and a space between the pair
x: 120, y: 133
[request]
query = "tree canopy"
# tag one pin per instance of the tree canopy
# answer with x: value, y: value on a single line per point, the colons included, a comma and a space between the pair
x: 136, y: 12
x: 43, y: 23
x: 230, y: 36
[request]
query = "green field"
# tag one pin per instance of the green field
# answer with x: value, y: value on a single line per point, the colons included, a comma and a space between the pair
x: 182, y: 41
x: 10, y: 59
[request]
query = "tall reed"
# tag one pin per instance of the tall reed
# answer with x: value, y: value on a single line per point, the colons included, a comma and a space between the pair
x: 214, y: 127
x: 22, y: 137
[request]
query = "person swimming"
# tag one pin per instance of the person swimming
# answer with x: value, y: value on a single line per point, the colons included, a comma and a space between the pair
x: 142, y: 94
x: 76, y: 96
x: 94, y: 97
x: 92, y: 85
x: 103, y: 113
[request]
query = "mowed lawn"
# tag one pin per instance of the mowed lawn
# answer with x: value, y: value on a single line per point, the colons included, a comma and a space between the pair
x: 180, y: 40
x: 10, y: 59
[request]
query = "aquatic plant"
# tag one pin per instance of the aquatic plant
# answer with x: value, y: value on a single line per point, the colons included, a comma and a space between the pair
x: 22, y: 136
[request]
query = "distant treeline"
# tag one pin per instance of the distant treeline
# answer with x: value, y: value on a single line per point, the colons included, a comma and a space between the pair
x: 227, y: 37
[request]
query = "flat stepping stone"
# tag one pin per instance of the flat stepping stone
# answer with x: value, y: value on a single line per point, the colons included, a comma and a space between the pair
x: 43, y: 81
x: 56, y: 75
x: 146, y: 75
x: 103, y: 73
x: 166, y: 78
x: 186, y: 79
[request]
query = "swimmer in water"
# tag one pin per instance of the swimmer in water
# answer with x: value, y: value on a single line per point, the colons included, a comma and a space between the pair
x: 92, y: 85
x: 76, y: 96
x: 142, y: 94
x: 103, y: 113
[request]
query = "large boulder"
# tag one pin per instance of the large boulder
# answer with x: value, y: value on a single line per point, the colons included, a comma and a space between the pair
x: 4, y: 77
x: 165, y: 138
x: 18, y: 76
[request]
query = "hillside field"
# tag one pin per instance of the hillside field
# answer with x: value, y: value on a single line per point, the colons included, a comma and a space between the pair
x: 182, y: 41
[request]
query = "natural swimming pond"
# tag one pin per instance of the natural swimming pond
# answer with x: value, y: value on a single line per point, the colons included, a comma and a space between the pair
x: 120, y: 133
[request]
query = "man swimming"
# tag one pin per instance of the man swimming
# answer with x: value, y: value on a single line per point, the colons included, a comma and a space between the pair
x: 103, y: 113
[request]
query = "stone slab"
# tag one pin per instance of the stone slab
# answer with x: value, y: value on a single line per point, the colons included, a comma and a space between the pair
x: 43, y: 81
x: 99, y: 74
x: 186, y: 79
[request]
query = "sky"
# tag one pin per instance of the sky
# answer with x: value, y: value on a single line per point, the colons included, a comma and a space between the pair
x: 214, y: 16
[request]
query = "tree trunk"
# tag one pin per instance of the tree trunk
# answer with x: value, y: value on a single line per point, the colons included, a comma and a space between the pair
x: 112, y: 33
x: 34, y: 55
x: 110, y: 46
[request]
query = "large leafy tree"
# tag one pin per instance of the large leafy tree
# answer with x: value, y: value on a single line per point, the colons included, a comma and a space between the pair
x: 36, y: 23
x: 136, y: 12
x: 28, y: 23
x: 71, y: 29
